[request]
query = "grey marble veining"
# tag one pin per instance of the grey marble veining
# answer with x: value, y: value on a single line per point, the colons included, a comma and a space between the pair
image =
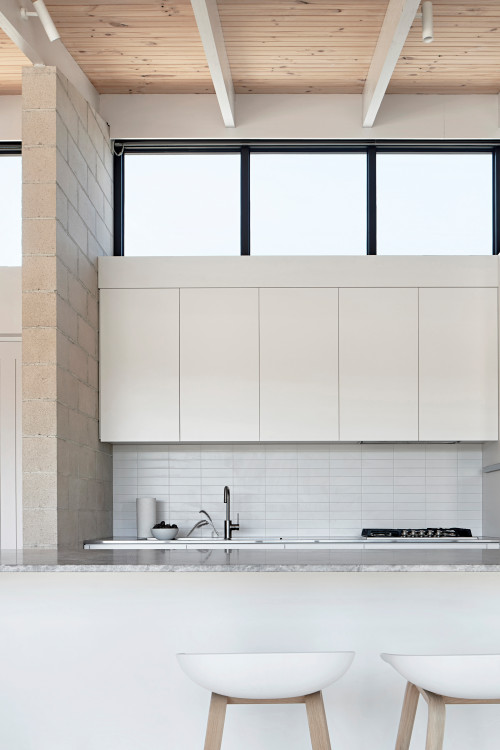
x: 249, y: 561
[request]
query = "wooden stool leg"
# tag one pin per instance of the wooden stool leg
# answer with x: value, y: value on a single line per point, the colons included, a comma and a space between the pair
x: 215, y: 724
x: 407, y: 717
x: 318, y: 728
x: 435, y: 721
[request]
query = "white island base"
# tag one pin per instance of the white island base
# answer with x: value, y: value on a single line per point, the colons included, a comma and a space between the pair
x: 88, y: 659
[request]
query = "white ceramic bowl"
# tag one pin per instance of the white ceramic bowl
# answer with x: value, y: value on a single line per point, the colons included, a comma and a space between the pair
x: 474, y: 676
x: 164, y: 535
x: 266, y: 676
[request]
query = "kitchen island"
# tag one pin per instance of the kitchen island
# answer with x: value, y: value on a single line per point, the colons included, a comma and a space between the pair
x: 88, y: 661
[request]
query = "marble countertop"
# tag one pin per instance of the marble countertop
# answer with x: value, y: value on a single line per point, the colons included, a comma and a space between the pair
x: 249, y: 561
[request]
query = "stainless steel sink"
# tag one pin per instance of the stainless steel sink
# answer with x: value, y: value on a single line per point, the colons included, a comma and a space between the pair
x: 266, y: 540
x: 222, y: 541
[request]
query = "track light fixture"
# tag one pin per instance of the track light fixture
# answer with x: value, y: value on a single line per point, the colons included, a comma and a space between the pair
x: 45, y: 19
x: 427, y: 22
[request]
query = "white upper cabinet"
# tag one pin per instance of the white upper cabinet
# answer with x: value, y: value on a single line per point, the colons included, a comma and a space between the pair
x: 269, y: 349
x: 458, y: 364
x: 299, y: 364
x: 378, y: 364
x: 219, y: 364
x: 139, y: 365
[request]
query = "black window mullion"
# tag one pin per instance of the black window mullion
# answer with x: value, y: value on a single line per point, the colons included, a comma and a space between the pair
x: 245, y: 200
x: 371, y: 200
x: 496, y: 199
x: 118, y: 201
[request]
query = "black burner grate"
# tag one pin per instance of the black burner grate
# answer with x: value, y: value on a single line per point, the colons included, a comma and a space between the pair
x: 429, y: 533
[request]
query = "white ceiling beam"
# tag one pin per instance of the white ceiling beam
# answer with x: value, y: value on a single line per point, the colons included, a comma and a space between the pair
x: 30, y: 37
x: 395, y: 28
x: 209, y: 26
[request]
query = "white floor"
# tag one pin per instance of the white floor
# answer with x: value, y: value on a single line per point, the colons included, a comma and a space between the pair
x: 88, y: 660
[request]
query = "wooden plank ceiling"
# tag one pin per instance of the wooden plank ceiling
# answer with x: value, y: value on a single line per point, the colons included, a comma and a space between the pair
x: 274, y: 46
x: 291, y: 46
x: 313, y: 46
x: 464, y: 57
x: 138, y: 47
x: 11, y: 62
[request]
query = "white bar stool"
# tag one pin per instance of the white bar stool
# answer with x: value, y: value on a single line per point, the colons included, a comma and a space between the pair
x: 266, y: 678
x: 441, y: 680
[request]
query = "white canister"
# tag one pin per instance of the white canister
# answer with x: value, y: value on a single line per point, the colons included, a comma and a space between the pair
x: 146, y: 516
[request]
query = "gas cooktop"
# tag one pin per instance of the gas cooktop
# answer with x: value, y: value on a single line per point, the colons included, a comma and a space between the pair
x: 430, y: 533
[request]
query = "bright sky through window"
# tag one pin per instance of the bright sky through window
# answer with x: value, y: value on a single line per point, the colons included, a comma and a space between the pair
x: 308, y: 204
x: 434, y: 204
x: 10, y: 211
x: 182, y: 204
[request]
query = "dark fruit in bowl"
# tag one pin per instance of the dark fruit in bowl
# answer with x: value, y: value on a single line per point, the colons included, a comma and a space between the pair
x: 163, y: 525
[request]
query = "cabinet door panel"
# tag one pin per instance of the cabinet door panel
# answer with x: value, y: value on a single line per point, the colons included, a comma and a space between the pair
x: 458, y: 364
x: 139, y: 365
x: 219, y: 364
x: 299, y: 364
x: 378, y: 364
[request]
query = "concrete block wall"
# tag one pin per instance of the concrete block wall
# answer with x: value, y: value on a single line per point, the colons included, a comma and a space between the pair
x: 67, y: 224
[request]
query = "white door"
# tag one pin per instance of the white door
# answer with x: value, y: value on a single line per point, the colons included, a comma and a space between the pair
x: 219, y: 364
x: 10, y: 445
x: 139, y: 365
x: 378, y: 364
x: 458, y: 364
x: 299, y: 364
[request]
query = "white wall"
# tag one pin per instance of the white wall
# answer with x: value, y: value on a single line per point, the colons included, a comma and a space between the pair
x: 285, y: 116
x: 10, y: 118
x: 11, y: 532
x: 315, y: 116
x: 303, y: 489
x: 88, y: 659
x: 10, y: 301
x: 10, y: 408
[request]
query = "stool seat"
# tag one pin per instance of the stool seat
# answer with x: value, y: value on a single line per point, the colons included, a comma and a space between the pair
x: 441, y: 680
x: 466, y: 676
x: 266, y: 676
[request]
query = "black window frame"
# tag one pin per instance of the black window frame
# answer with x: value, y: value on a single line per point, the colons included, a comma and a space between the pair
x: 10, y: 148
x: 247, y: 148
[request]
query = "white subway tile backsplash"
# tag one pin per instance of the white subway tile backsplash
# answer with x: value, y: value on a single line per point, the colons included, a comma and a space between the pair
x: 345, y: 463
x: 408, y: 482
x: 344, y: 481
x: 470, y: 484
x: 407, y: 462
x: 302, y: 489
x: 377, y: 463
x: 468, y: 472
x: 344, y: 489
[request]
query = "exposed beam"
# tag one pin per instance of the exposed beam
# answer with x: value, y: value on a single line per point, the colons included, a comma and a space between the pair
x: 395, y: 28
x: 209, y: 26
x: 31, y: 39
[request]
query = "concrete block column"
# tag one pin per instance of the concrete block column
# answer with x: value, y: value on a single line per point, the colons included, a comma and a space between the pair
x: 67, y: 224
